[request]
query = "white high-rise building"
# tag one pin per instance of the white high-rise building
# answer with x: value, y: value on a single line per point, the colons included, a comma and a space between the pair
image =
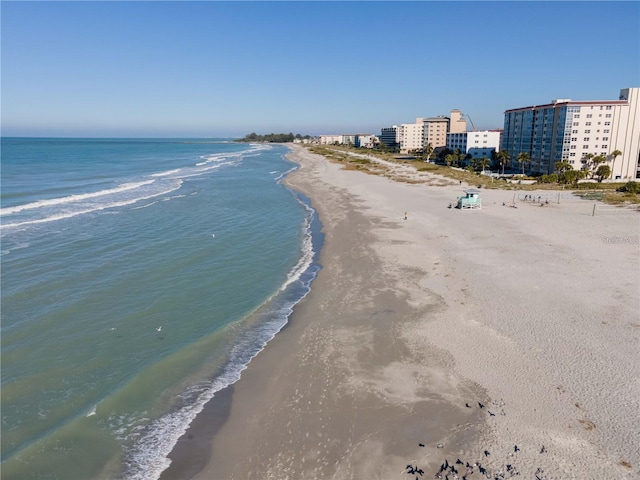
x: 568, y: 130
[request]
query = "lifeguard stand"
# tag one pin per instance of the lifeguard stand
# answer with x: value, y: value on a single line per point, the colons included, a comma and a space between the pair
x: 471, y: 200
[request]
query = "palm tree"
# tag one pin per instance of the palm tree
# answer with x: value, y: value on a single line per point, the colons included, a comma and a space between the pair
x: 614, y: 154
x: 597, y: 160
x: 485, y: 163
x: 427, y: 151
x: 523, y: 158
x: 503, y: 157
x: 449, y: 159
x: 586, y: 161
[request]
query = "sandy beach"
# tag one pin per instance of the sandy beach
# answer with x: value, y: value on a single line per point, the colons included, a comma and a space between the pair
x: 506, y: 338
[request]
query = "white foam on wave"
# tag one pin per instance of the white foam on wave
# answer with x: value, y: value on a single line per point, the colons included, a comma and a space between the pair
x: 284, y: 174
x: 168, y: 172
x: 94, y: 208
x: 74, y: 198
x: 306, y: 258
x: 144, y: 206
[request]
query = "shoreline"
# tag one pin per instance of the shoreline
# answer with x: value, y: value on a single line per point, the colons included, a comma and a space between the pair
x: 410, y: 321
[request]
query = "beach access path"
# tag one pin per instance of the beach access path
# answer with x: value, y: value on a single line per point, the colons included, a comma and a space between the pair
x: 506, y: 338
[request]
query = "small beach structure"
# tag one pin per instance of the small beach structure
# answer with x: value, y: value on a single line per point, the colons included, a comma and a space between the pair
x: 470, y: 201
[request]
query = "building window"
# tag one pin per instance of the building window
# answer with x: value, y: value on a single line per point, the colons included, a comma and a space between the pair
x: 608, y: 107
x: 605, y: 146
x: 573, y: 147
x: 607, y: 124
x: 608, y: 115
x: 606, y: 130
x: 589, y: 115
x: 574, y: 139
x: 577, y: 115
x: 585, y: 147
x: 572, y: 154
x: 606, y: 139
x: 585, y: 139
x: 575, y: 124
x: 574, y: 131
x: 588, y: 124
x: 587, y: 131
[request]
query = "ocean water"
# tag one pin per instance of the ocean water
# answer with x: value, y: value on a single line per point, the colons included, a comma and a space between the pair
x: 139, y: 277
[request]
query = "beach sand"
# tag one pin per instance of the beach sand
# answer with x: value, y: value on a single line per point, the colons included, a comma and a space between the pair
x: 532, y: 312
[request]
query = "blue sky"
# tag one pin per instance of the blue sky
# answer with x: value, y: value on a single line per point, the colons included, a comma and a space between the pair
x: 192, y: 69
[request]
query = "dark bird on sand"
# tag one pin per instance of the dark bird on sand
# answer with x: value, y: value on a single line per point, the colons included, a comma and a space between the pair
x: 480, y: 405
x: 516, y: 449
x: 459, y: 462
x: 421, y: 444
x: 467, y: 405
x: 491, y: 414
x: 486, y: 453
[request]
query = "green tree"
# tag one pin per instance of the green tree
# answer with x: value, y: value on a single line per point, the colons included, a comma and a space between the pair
x: 484, y: 163
x: 523, y: 158
x: 614, y: 154
x: 563, y: 166
x: 603, y: 172
x: 450, y: 159
x: 572, y: 176
x: 503, y: 158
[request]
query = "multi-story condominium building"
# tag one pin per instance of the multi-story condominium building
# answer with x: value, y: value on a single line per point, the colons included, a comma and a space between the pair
x: 390, y: 136
x: 433, y: 130
x: 357, y: 140
x: 330, y: 139
x: 456, y: 123
x: 365, y: 140
x: 436, y: 131
x: 412, y: 135
x: 568, y: 130
x: 478, y: 144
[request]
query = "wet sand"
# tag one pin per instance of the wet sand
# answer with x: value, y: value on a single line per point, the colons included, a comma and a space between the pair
x: 412, y: 324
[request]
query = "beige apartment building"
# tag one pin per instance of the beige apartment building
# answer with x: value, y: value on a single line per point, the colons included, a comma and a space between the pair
x: 433, y: 130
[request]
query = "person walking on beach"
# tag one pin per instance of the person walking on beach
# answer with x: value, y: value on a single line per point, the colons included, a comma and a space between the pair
x: 405, y: 215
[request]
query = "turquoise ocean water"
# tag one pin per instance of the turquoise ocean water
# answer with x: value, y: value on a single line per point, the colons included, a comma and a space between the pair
x: 139, y: 277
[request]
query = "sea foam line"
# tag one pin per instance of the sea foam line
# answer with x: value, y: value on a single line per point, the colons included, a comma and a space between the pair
x: 62, y: 216
x: 73, y: 198
x: 168, y: 172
